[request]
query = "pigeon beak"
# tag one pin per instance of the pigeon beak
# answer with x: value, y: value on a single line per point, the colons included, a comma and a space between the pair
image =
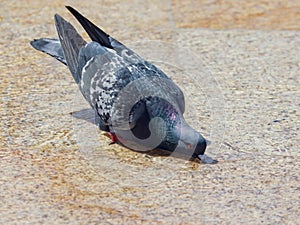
x: 189, y: 149
x: 206, y: 159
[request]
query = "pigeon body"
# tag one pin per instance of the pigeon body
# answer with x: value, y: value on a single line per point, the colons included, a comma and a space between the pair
x: 127, y: 93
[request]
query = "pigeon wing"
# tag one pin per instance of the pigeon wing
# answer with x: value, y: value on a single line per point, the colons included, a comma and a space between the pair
x: 98, y: 35
x: 51, y: 47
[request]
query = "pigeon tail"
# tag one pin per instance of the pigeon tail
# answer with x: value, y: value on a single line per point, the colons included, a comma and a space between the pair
x: 51, y: 47
x: 94, y: 32
x: 71, y: 43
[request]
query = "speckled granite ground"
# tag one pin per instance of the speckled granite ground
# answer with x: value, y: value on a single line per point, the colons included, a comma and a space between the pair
x: 58, y: 169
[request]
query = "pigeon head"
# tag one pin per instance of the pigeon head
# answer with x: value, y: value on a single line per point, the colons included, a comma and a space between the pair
x: 178, y: 135
x: 193, y: 143
x: 190, y: 141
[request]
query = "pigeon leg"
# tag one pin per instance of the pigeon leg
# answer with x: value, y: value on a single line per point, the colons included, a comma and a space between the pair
x: 113, y: 138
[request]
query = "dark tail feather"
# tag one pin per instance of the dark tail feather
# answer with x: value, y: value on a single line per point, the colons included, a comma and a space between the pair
x: 51, y: 47
x: 95, y: 33
x: 71, y: 43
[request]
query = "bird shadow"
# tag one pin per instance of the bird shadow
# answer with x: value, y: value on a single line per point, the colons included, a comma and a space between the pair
x: 90, y: 116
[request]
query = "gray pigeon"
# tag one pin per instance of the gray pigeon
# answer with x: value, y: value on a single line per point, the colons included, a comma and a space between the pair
x: 134, y: 101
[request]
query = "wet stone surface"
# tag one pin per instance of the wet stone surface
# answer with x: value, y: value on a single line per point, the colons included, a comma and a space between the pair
x: 242, y: 92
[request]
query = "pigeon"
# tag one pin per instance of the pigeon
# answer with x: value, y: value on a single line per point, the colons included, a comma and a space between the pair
x: 136, y: 103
